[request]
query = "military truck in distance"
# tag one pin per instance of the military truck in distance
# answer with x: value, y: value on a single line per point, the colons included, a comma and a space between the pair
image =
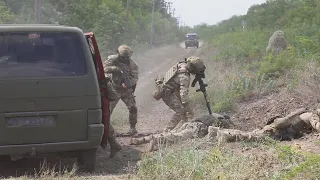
x: 50, y: 96
x: 192, y: 40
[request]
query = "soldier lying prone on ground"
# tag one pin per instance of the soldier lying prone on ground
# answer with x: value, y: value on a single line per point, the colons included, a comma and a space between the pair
x: 282, y: 128
x: 197, y: 128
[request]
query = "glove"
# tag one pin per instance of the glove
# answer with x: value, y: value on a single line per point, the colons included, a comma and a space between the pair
x: 159, y: 80
x: 134, y: 88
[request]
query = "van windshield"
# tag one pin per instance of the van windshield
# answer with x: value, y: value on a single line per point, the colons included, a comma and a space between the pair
x: 33, y: 54
x: 191, y: 37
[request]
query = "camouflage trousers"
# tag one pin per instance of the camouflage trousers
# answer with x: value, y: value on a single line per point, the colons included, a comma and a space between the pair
x: 129, y: 100
x: 188, y: 130
x: 172, y: 100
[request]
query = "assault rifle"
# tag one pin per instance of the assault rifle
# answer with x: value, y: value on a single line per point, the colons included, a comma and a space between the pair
x: 198, y: 78
x: 125, y: 81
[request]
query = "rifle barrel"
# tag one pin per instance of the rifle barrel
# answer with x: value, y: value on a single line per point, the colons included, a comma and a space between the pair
x: 207, y: 102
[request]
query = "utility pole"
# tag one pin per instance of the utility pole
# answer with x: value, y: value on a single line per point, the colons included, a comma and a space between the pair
x: 127, y: 19
x: 152, y: 21
x: 164, y: 30
x: 169, y: 7
x: 37, y: 11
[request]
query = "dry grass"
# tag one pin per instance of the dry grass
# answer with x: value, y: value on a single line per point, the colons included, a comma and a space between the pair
x: 309, y: 83
x: 246, y: 160
x: 230, y: 81
x: 47, y: 171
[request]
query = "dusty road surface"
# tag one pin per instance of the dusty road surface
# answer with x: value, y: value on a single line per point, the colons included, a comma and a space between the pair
x: 152, y: 117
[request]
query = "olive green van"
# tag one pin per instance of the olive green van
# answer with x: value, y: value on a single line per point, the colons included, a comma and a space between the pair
x: 49, y: 93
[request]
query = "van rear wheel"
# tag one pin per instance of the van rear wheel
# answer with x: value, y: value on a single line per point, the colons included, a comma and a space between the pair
x: 87, y: 160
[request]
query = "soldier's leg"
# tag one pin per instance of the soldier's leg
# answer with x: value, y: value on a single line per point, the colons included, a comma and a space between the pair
x: 114, y: 145
x: 169, y: 138
x: 130, y: 102
x: 187, y: 113
x: 171, y: 100
x: 113, y: 104
x: 314, y: 120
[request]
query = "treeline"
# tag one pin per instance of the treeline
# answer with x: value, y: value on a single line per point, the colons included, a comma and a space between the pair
x: 114, y: 21
x: 300, y: 19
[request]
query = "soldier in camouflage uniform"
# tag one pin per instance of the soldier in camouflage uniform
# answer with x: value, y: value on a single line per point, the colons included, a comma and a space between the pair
x: 173, y: 89
x: 214, y: 127
x: 292, y: 126
x: 197, y: 128
x: 124, y: 73
x: 277, y: 42
x: 114, y: 145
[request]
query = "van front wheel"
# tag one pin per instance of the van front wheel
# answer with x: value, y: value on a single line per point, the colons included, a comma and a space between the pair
x: 87, y: 160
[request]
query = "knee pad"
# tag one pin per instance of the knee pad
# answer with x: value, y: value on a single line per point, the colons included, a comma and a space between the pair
x: 133, y: 110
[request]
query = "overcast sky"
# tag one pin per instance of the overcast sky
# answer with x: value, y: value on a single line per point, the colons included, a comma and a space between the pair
x: 194, y: 12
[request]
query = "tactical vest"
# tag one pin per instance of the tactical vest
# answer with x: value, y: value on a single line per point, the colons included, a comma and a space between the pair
x: 178, y: 68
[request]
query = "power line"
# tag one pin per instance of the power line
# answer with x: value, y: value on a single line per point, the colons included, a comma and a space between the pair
x: 152, y: 21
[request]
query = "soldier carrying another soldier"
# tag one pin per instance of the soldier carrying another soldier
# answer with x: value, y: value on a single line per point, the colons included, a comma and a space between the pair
x: 173, y: 89
x: 124, y: 73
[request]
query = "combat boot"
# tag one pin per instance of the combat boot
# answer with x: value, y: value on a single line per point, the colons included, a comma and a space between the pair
x: 152, y: 145
x: 115, y: 147
x: 132, y: 131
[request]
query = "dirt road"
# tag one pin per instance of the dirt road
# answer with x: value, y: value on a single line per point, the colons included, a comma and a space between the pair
x: 153, y: 115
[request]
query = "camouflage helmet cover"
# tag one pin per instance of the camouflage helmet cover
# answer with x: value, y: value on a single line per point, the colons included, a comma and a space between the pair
x: 125, y: 51
x: 196, y: 64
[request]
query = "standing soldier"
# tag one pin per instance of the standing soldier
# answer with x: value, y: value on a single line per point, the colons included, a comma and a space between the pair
x: 124, y: 73
x: 174, y: 89
x: 114, y: 145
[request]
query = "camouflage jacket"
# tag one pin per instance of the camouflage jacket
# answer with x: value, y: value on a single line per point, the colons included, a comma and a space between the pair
x: 180, y: 82
x: 113, y: 68
x: 112, y: 93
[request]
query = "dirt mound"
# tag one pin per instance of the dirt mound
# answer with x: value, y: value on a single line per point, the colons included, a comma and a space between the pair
x: 255, y: 113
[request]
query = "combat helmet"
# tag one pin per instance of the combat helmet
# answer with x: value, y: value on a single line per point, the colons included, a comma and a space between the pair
x: 125, y: 51
x: 195, y: 65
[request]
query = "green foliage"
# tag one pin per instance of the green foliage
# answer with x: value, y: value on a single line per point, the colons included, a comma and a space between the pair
x: 114, y: 22
x: 309, y: 169
x: 265, y: 159
x: 5, y: 14
x: 260, y: 72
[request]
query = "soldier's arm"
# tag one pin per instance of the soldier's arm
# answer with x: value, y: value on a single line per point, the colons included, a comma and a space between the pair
x: 134, y: 72
x: 184, y: 88
x: 112, y: 94
x: 109, y: 65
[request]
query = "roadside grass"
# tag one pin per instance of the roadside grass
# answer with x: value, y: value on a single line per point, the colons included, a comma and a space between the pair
x: 267, y: 159
x: 240, y: 69
x: 47, y: 171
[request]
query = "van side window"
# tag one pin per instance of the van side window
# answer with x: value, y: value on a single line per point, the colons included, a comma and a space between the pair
x: 33, y: 54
